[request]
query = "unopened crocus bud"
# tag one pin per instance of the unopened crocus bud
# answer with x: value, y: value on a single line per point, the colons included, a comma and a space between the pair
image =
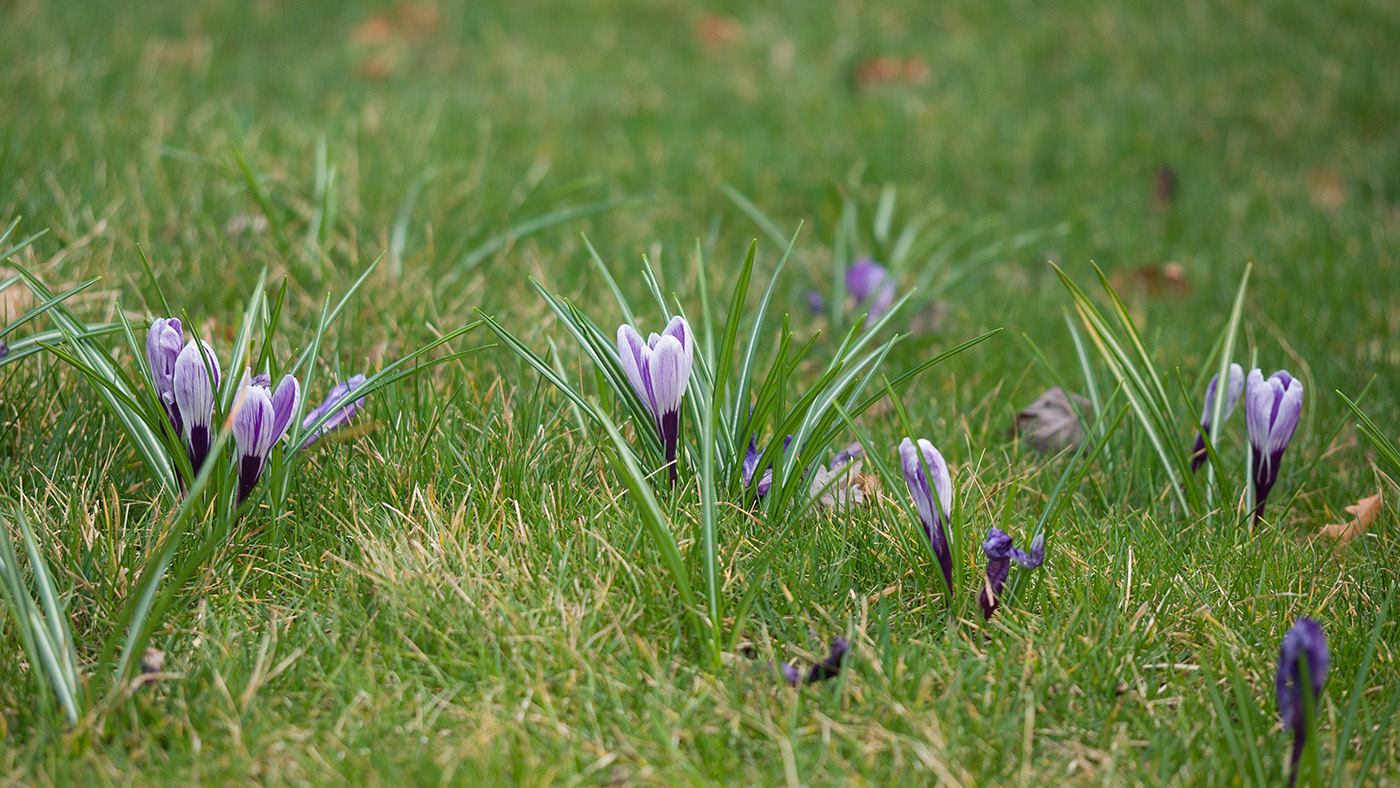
x: 1271, y: 410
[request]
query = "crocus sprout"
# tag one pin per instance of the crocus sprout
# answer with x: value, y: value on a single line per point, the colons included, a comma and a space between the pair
x: 1232, y: 398
x: 1000, y: 553
x: 341, y: 417
x: 261, y: 421
x: 163, y: 343
x: 1271, y: 411
x: 934, y: 511
x: 194, y: 381
x: 659, y: 371
x: 820, y: 671
x: 1303, y: 643
x: 871, y: 286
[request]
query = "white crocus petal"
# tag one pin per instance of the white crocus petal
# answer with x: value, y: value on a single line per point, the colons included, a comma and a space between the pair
x: 1258, y: 406
x: 633, y: 354
x: 284, y: 404
x: 921, y: 488
x: 195, y: 384
x: 1290, y: 408
x: 668, y: 364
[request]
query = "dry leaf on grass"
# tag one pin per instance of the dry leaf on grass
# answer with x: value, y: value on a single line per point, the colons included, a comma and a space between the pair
x: 716, y: 31
x: 16, y: 299
x: 852, y: 488
x: 890, y: 70
x: 1365, y: 510
x: 1153, y: 280
x: 1050, y: 425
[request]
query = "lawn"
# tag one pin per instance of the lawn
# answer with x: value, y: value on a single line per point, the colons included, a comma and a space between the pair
x: 472, y: 583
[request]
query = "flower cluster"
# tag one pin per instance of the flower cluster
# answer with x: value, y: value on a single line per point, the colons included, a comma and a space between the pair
x: 186, y: 377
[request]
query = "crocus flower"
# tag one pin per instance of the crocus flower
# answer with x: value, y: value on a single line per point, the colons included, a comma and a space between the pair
x: 1232, y: 398
x: 816, y: 304
x: 751, y: 458
x: 1271, y: 411
x: 933, y: 512
x: 261, y: 422
x: 1304, y: 641
x: 341, y: 416
x: 195, y: 379
x: 1000, y: 553
x: 659, y: 371
x: 4, y: 349
x: 820, y: 671
x: 871, y: 285
x: 163, y: 343
x: 852, y: 452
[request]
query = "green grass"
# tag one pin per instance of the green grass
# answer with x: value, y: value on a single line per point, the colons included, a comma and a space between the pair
x: 464, y: 595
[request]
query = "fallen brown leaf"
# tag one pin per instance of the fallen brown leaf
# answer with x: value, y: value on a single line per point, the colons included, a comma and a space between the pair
x: 1153, y: 280
x: 890, y: 70
x: 1365, y: 510
x: 16, y: 299
x: 716, y: 31
x: 1050, y: 424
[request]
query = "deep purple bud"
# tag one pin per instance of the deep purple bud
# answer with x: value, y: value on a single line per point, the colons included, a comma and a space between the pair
x: 1271, y: 411
x: 934, y: 512
x: 1000, y: 553
x: 262, y: 420
x: 659, y: 371
x: 830, y: 667
x: 4, y: 349
x: 1304, y: 641
x: 816, y: 304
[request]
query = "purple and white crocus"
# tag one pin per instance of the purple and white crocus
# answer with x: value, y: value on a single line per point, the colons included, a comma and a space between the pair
x: 193, y: 384
x: 1001, y: 552
x: 163, y: 344
x: 1271, y: 411
x: 343, y: 414
x: 1232, y: 398
x: 1304, y: 641
x: 261, y: 422
x: 871, y: 286
x: 932, y: 492
x: 659, y: 371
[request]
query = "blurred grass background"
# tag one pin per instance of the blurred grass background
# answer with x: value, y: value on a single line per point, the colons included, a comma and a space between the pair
x: 195, y: 130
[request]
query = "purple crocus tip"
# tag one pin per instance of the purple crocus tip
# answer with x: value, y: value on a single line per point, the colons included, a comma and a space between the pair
x: 659, y: 371
x: 342, y: 415
x: 870, y: 285
x: 932, y: 492
x: 1001, y: 552
x: 164, y: 341
x: 852, y: 452
x: 260, y: 423
x: 1232, y: 398
x: 1271, y: 409
x: 1305, y: 641
x: 4, y: 349
x: 816, y: 304
x: 824, y: 669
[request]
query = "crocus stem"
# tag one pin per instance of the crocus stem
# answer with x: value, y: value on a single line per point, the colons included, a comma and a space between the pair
x: 670, y: 427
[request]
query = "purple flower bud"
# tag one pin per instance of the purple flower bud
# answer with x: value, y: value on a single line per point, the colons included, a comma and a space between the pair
x: 815, y: 303
x: 1271, y: 411
x: 262, y: 420
x: 194, y: 383
x: 341, y: 417
x: 1304, y: 641
x: 852, y: 452
x: 4, y: 349
x: 820, y: 671
x: 751, y: 458
x: 870, y: 284
x: 933, y: 512
x: 1000, y: 554
x: 1232, y: 398
x: 659, y: 371
x: 163, y: 343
